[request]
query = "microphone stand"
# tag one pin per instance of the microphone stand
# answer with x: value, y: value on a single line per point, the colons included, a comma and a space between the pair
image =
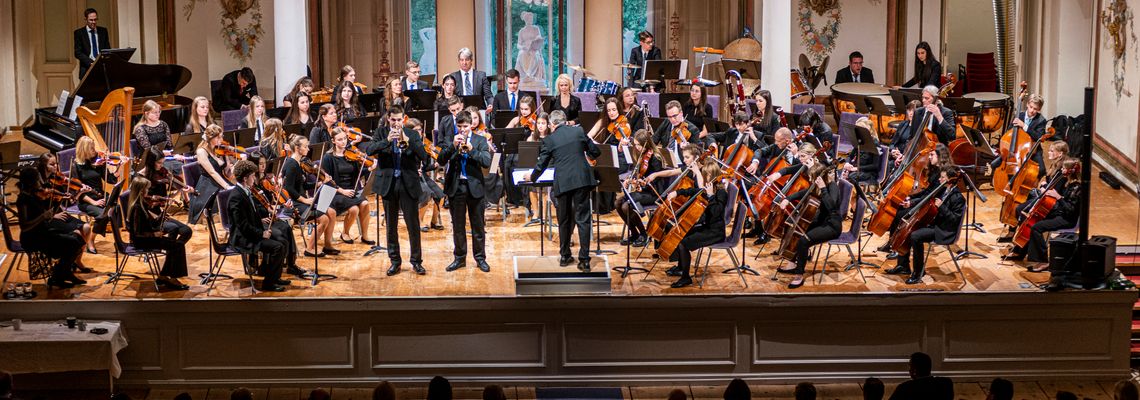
x: 974, y: 195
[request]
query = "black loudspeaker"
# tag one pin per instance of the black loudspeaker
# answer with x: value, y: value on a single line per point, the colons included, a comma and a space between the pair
x: 1062, y: 253
x: 1099, y: 259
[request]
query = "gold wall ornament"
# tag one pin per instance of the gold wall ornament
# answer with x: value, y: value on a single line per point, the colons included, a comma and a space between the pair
x: 1117, y: 19
x: 822, y: 6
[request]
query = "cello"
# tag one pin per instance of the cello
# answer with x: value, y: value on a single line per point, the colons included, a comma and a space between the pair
x: 1023, y: 181
x: 905, y: 180
x: 798, y: 222
x: 1014, y: 148
x: 920, y: 216
x: 777, y: 216
x: 687, y: 215
x: 1038, y: 211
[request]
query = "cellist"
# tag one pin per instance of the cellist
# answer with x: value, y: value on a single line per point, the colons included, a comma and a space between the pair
x: 939, y: 159
x: 828, y: 222
x: 740, y: 127
x: 943, y: 122
x: 1064, y: 214
x: 709, y: 229
x: 1058, y: 152
x: 645, y: 184
x: 785, y: 147
x: 1032, y: 122
x: 949, y: 220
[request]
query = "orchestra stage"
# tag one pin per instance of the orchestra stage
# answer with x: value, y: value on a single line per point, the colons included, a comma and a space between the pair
x: 471, y: 326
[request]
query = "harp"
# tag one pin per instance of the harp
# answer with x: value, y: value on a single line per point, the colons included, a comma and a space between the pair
x: 114, y: 117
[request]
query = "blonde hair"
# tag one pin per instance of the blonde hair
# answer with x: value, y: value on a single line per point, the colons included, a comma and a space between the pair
x: 249, y: 115
x: 84, y: 150
x: 808, y: 149
x: 211, y: 132
x: 337, y: 131
x: 139, y: 188
x: 1037, y: 99
x: 196, y: 124
x: 866, y: 123
x: 569, y: 83
x: 149, y: 106
x: 274, y: 135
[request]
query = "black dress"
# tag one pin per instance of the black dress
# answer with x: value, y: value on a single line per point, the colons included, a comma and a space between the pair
x: 319, y: 134
x: 57, y: 239
x: 571, y: 110
x: 90, y: 175
x: 690, y: 112
x: 296, y: 185
x: 343, y: 173
x: 205, y: 188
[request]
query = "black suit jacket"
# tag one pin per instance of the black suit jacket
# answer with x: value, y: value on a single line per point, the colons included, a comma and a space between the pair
x: 566, y: 149
x: 411, y: 159
x: 446, y: 128
x: 945, y: 130
x: 636, y: 58
x: 246, y: 228
x: 420, y: 85
x: 479, y: 83
x: 82, y: 45
x: 478, y: 158
x: 949, y: 219
x: 925, y: 388
x: 844, y: 75
x: 502, y: 102
x: 231, y: 96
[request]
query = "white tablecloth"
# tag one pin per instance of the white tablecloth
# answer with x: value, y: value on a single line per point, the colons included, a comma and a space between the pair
x: 43, y: 346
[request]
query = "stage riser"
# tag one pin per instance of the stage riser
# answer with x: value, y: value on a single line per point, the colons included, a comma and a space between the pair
x: 610, y: 340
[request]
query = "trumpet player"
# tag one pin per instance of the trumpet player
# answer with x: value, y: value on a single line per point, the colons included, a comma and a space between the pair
x: 398, y: 183
x: 465, y: 157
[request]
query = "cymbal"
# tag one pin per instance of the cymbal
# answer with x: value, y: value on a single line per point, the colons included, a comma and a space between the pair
x: 647, y: 82
x: 579, y: 68
x: 630, y: 66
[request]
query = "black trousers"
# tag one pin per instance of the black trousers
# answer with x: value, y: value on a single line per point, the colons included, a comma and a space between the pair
x: 573, y: 208
x: 917, y: 243
x: 628, y: 214
x: 282, y: 232
x: 815, y: 235
x: 173, y: 243
x: 464, y: 206
x: 64, y: 246
x: 274, y: 261
x: 397, y: 200
x: 695, y: 239
x: 1038, y: 250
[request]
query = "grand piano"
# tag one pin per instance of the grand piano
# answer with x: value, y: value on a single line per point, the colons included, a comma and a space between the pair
x: 158, y: 82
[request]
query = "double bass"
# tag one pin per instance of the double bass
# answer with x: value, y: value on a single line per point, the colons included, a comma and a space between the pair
x: 1014, y: 148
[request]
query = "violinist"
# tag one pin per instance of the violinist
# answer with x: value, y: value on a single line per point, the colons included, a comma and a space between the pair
x: 697, y: 108
x: 866, y: 169
x: 345, y: 175
x: 903, y: 132
x: 199, y: 117
x: 612, y: 126
x: 91, y: 171
x: 765, y: 120
x: 446, y: 128
x: 631, y: 110
x: 160, y: 182
x: 295, y: 184
x: 1063, y: 215
x: 429, y: 184
x: 47, y: 231
x: 301, y: 112
x: 741, y: 131
x: 48, y: 167
x: 678, y: 131
x: 828, y: 219
x: 322, y: 132
x: 938, y: 160
x: 526, y: 114
x: 347, y: 102
x: 709, y: 229
x: 644, y: 185
x: 943, y: 123
x: 304, y: 85
x: 447, y: 92
x: 214, y: 167
x: 274, y: 144
x: 252, y: 233
x: 464, y: 158
x: 255, y: 118
x: 145, y: 222
x: 494, y: 182
x: 282, y: 231
x: 565, y: 100
x: 821, y: 132
x: 1032, y: 122
x: 951, y: 209
x: 151, y: 132
x: 400, y: 154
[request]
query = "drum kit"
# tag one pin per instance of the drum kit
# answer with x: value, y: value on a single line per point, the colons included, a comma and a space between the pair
x: 588, y: 83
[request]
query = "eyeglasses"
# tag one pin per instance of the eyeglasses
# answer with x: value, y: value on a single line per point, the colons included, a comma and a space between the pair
x: 395, y: 120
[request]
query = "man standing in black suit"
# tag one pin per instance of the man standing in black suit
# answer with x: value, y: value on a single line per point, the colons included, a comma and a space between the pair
x: 854, y: 71
x: 639, y: 55
x: 465, y: 156
x: 567, y: 148
x: 399, y: 184
x: 411, y: 79
x: 470, y: 82
x: 252, y: 234
x: 89, y: 41
x: 236, y: 90
x: 508, y: 99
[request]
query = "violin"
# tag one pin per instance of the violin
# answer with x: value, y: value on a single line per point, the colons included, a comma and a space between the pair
x: 354, y: 133
x: 620, y: 128
x: 529, y: 121
x: 63, y: 183
x: 308, y: 166
x: 274, y: 188
x: 110, y: 159
x: 51, y: 195
x: 354, y: 154
x: 155, y: 200
x: 226, y: 150
x: 681, y: 133
x: 637, y: 181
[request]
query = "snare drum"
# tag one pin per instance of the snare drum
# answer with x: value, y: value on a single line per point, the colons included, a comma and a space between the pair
x: 587, y: 84
x: 799, y: 85
x: 609, y: 88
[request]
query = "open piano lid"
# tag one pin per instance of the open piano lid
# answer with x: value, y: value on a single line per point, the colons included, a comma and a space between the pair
x: 110, y: 72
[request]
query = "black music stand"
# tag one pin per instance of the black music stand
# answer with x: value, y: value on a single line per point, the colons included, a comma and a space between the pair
x: 974, y: 194
x: 627, y: 269
x: 427, y: 117
x: 662, y: 71
x: 474, y: 100
x: 372, y: 102
x: 508, y: 143
x: 316, y: 150
x: 981, y: 147
x: 295, y: 129
x: 539, y: 183
x: 528, y: 157
x: 186, y: 143
x: 242, y: 137
x: 376, y: 248
x: 277, y: 112
x: 587, y: 119
x: 606, y: 171
x: 315, y: 276
x: 748, y: 69
x: 665, y: 98
x: 422, y: 99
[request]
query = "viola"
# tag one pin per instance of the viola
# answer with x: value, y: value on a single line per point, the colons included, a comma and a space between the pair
x: 308, y: 166
x: 681, y: 133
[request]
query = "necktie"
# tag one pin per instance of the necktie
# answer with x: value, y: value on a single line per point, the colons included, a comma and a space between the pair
x: 463, y: 164
x: 412, y: 86
x: 467, y: 90
x: 94, y: 44
x: 396, y: 173
x: 857, y: 78
x: 512, y: 101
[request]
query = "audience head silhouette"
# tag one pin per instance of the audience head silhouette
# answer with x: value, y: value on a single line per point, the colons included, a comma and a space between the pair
x: 737, y: 390
x: 439, y: 389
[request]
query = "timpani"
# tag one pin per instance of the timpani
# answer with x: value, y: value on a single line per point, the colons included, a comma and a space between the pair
x: 995, y: 110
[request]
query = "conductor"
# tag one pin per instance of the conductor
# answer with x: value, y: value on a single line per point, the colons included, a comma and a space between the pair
x: 567, y: 148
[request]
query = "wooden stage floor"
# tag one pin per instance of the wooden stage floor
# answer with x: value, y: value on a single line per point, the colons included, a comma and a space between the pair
x: 1115, y: 213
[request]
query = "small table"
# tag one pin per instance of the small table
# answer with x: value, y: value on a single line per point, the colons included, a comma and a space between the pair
x: 49, y: 346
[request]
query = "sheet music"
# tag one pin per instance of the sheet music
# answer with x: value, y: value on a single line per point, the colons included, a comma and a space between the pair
x: 520, y: 175
x: 74, y: 106
x: 324, y: 198
x: 62, y: 102
x: 494, y: 163
x: 625, y: 152
x: 675, y: 157
x: 614, y: 156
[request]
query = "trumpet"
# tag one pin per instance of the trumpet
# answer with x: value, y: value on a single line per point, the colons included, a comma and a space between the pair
x: 465, y: 147
x: 403, y: 142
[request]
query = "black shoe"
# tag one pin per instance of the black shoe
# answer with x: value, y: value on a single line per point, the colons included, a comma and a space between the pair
x: 60, y: 283
x: 296, y: 271
x: 680, y: 283
x: 626, y: 241
x: 884, y: 248
x: 92, y: 251
x: 1013, y: 256
x: 424, y: 229
x: 641, y: 241
x: 395, y: 268
x: 584, y: 265
x: 82, y: 269
x: 1005, y: 239
x: 796, y: 283
x: 483, y: 266
x: 898, y: 271
x: 75, y: 280
x: 913, y: 280
x: 892, y: 255
x: 437, y: 227
x: 755, y: 233
x: 368, y: 242
x: 456, y: 264
x: 564, y: 261
x: 787, y: 271
x: 318, y: 255
x: 674, y: 271
x: 172, y: 283
x: 283, y: 282
x: 346, y: 241
x: 762, y: 240
x: 330, y: 251
x: 269, y: 287
x: 418, y: 268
